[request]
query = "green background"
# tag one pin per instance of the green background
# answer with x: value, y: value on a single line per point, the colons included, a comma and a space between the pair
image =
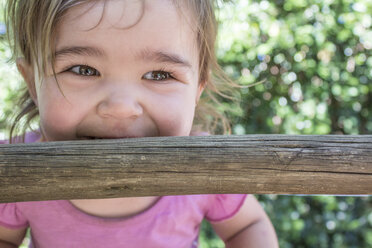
x: 314, y: 58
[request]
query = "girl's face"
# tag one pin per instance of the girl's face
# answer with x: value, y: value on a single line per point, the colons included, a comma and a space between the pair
x: 121, y: 78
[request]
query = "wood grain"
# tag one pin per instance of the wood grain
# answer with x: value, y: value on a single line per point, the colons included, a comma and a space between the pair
x: 257, y: 164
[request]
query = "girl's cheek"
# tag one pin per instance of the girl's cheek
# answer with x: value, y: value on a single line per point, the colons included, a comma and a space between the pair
x: 174, y: 116
x: 57, y: 116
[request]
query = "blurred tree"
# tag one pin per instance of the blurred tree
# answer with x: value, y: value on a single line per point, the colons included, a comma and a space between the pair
x: 314, y: 58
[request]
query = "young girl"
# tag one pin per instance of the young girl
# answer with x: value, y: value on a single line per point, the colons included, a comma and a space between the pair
x: 120, y: 69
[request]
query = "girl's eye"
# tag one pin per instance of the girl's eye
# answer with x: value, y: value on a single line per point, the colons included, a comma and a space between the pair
x: 84, y: 70
x: 158, y: 75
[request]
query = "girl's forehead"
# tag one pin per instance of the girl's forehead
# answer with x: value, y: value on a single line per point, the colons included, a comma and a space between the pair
x: 125, y: 14
x: 129, y: 24
x: 121, y: 14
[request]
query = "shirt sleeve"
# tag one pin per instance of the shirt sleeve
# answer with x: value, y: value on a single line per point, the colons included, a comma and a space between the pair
x: 11, y: 217
x: 224, y: 206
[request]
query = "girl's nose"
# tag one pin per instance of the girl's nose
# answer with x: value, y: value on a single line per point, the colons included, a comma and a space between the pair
x: 120, y: 106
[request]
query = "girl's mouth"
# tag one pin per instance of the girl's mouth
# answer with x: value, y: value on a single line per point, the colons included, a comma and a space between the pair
x: 94, y: 138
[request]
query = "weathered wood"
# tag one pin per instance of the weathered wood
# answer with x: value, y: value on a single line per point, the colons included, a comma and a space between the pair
x: 259, y: 164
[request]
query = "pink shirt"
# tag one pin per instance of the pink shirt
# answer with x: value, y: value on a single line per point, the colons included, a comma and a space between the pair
x: 173, y: 221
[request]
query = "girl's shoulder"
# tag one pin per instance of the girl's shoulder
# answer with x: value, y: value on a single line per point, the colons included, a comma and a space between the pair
x: 30, y: 137
x: 223, y: 206
x: 213, y: 207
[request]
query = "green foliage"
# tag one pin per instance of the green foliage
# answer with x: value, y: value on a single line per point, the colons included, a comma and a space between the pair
x: 314, y: 58
x: 320, y: 221
x: 312, y: 221
x: 10, y: 83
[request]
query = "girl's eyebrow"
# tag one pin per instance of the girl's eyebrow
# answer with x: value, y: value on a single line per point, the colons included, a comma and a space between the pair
x: 163, y: 57
x: 79, y: 50
x: 145, y: 55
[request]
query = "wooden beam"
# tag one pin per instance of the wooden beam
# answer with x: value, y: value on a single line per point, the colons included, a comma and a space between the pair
x: 258, y: 164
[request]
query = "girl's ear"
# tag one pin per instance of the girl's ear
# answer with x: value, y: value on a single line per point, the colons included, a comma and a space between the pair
x: 200, y: 91
x: 27, y: 72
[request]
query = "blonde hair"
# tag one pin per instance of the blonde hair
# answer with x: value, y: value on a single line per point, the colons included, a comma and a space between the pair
x: 31, y: 26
